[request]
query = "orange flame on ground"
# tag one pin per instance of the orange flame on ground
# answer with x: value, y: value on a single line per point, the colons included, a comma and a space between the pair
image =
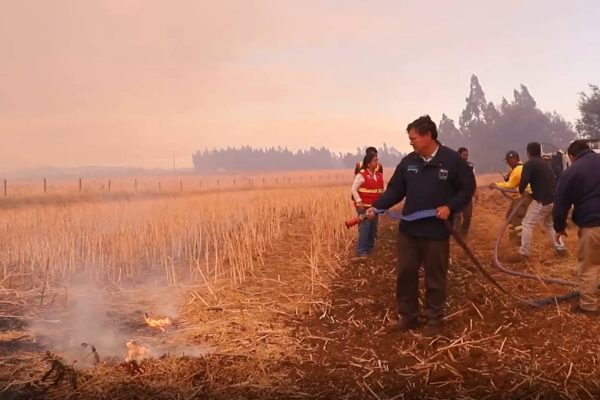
x: 136, y: 352
x: 159, y: 323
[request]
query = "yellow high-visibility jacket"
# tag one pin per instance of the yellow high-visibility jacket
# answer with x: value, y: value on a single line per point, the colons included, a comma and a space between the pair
x: 514, y: 179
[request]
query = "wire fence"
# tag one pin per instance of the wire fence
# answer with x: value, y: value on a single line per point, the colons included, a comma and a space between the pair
x: 168, y: 184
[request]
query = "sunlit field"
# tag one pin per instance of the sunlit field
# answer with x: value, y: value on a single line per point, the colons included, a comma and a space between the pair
x: 250, y: 291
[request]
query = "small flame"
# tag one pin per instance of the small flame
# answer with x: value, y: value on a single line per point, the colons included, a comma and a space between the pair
x: 159, y: 323
x: 136, y: 352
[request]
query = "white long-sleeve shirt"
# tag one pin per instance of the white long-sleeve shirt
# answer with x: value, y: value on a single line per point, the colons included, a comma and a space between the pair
x: 358, y: 182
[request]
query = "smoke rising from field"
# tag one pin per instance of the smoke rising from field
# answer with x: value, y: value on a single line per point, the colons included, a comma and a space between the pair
x: 107, y: 319
x: 85, y: 320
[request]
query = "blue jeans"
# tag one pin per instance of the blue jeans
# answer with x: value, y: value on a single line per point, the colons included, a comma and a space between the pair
x: 367, y: 232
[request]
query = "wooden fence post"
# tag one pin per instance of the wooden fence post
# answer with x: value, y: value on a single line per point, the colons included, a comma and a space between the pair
x: 109, y: 186
x: 45, y: 186
x: 5, y: 189
x: 80, y: 185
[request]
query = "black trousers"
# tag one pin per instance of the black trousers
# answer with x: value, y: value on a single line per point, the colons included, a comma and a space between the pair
x: 432, y: 254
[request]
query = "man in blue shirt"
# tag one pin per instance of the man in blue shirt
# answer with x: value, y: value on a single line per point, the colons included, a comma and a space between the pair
x: 579, y: 186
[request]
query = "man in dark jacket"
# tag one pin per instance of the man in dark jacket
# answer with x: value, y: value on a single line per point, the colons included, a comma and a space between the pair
x: 432, y: 177
x: 579, y: 186
x: 462, y: 220
x: 539, y: 175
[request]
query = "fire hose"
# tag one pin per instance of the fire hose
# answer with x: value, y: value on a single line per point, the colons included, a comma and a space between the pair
x: 498, y: 265
x: 432, y: 213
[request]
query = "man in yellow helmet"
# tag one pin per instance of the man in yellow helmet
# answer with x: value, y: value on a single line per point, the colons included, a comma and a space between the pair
x: 511, y: 182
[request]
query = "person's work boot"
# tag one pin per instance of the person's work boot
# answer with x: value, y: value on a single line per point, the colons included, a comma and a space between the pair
x: 433, y: 327
x: 403, y: 325
x: 561, y: 252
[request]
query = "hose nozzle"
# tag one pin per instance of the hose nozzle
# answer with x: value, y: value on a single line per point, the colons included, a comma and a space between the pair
x: 355, y: 221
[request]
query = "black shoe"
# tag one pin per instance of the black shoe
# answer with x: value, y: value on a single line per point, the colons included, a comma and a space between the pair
x: 403, y: 325
x: 578, y: 310
x: 561, y: 252
x: 433, y: 327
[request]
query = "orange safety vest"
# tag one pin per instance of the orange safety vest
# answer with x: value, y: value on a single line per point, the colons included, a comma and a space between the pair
x: 372, y: 188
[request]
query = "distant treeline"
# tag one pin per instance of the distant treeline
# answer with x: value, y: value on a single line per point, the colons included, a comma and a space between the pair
x: 247, y: 158
x: 490, y: 130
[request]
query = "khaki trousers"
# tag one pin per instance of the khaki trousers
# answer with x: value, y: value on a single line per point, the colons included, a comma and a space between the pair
x: 537, y: 214
x: 588, y: 257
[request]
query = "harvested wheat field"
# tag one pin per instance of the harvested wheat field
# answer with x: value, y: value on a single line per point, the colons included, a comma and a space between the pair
x: 255, y: 294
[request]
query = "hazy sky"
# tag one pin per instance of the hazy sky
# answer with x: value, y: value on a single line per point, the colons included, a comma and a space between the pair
x: 132, y: 82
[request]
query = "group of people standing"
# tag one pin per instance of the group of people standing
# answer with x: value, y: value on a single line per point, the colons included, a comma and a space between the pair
x: 535, y: 183
x: 435, y: 177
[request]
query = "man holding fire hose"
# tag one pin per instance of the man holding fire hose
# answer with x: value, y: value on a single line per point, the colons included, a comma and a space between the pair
x: 431, y: 177
x: 511, y: 182
x: 538, y: 174
x: 367, y: 187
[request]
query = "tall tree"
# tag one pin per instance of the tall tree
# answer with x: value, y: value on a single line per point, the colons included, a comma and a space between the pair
x: 561, y: 131
x: 476, y: 105
x: 524, y: 99
x: 449, y: 133
x: 588, y: 126
x: 491, y: 114
x: 491, y: 131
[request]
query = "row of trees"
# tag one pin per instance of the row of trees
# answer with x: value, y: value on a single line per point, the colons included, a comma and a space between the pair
x: 247, y: 158
x: 489, y: 130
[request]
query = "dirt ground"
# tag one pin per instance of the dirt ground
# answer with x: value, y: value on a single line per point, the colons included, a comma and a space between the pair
x: 278, y: 337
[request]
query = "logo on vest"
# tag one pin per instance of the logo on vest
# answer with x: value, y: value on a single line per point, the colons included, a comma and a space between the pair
x: 413, y: 168
x: 443, y: 175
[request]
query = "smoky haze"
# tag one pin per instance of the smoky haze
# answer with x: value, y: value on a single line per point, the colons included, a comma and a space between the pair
x: 134, y: 83
x: 106, y: 318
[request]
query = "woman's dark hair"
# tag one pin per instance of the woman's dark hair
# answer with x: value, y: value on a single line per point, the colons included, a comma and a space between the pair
x: 371, y: 150
x: 423, y: 125
x: 461, y: 150
x: 534, y: 149
x: 577, y: 147
x: 368, y: 158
